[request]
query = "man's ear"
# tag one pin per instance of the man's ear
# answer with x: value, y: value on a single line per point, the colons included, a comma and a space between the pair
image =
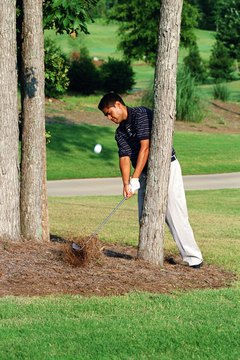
x: 118, y: 104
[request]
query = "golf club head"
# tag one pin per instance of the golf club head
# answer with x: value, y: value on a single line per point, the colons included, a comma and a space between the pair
x: 76, y: 247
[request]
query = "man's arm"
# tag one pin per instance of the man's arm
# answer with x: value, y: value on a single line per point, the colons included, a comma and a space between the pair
x: 125, y: 167
x: 142, y: 158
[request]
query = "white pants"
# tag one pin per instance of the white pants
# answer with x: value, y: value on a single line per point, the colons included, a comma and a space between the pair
x: 176, y: 215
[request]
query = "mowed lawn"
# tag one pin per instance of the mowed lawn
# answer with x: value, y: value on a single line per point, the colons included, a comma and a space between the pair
x: 199, y: 325
x: 70, y: 153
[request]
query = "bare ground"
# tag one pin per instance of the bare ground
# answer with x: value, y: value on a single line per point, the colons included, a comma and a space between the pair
x: 31, y: 269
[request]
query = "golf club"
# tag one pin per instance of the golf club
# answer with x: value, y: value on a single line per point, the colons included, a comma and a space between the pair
x: 76, y: 247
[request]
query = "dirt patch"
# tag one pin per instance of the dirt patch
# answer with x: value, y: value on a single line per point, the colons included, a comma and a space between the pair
x: 31, y: 269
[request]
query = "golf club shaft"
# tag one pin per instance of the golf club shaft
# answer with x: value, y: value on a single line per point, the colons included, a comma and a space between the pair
x: 100, y: 226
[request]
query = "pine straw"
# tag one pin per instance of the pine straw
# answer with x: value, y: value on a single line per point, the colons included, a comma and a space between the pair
x: 30, y: 269
x: 81, y: 251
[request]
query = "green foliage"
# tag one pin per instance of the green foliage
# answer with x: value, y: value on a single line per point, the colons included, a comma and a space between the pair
x: 188, y: 102
x: 220, y: 63
x: 67, y: 15
x: 195, y: 64
x: 86, y: 78
x: 209, y: 12
x: 190, y: 19
x: 138, y: 27
x: 102, y: 7
x: 221, y: 92
x: 48, y: 137
x: 116, y: 75
x: 83, y: 75
x: 56, y: 70
x: 228, y: 31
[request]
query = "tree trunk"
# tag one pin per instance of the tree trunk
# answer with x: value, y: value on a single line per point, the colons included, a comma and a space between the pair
x: 34, y: 218
x: 9, y: 161
x: 153, y: 220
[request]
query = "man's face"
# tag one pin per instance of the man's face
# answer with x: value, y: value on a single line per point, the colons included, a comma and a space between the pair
x: 116, y: 113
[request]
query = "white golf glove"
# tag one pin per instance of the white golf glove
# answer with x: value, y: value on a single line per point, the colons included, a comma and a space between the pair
x: 134, y: 184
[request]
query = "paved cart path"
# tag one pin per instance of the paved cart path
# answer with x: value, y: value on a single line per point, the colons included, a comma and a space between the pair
x: 113, y: 186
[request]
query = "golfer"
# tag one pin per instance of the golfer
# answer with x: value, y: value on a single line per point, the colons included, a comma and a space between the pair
x: 133, y: 136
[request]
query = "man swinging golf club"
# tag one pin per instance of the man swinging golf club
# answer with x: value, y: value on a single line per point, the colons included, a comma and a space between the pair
x: 133, y: 136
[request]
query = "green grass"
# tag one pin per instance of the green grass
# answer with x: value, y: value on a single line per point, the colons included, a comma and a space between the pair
x: 102, y: 41
x: 70, y: 154
x: 214, y: 216
x: 232, y: 86
x: 205, y: 41
x: 198, y: 325
x: 206, y: 153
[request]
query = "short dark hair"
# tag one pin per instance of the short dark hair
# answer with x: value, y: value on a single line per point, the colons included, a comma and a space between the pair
x: 109, y: 99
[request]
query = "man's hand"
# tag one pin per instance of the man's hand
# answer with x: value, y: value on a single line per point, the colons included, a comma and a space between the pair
x: 127, y: 192
x: 134, y: 185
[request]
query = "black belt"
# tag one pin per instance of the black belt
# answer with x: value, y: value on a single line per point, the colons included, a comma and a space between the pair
x: 173, y: 158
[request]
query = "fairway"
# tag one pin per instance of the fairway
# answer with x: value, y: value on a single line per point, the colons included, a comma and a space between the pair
x: 70, y: 153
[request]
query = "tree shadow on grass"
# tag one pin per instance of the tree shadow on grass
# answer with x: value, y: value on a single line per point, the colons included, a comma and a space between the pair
x: 68, y: 138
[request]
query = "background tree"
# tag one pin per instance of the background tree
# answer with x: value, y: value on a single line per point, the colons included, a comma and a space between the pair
x: 195, y: 65
x: 220, y: 63
x: 229, y: 27
x: 138, y: 27
x: 207, y: 10
x: 67, y: 15
x: 9, y: 174
x: 153, y: 218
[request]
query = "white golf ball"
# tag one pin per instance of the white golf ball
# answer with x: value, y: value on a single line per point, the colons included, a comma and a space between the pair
x: 97, y: 148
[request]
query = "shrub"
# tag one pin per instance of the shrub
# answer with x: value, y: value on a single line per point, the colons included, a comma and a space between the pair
x: 83, y: 75
x: 188, y: 104
x: 195, y: 64
x: 116, y: 75
x: 221, y: 92
x: 220, y: 63
x: 56, y: 70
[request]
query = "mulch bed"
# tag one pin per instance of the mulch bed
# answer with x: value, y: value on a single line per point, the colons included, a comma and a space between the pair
x: 32, y: 269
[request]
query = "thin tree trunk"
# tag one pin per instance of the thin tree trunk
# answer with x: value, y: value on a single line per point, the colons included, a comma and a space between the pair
x: 34, y: 218
x: 9, y: 161
x: 153, y: 220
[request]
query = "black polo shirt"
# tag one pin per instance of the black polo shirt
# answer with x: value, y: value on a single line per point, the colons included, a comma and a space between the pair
x: 131, y: 131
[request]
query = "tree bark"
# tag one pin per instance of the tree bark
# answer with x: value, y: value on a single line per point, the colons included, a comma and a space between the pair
x: 9, y: 161
x: 34, y: 214
x: 153, y: 220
